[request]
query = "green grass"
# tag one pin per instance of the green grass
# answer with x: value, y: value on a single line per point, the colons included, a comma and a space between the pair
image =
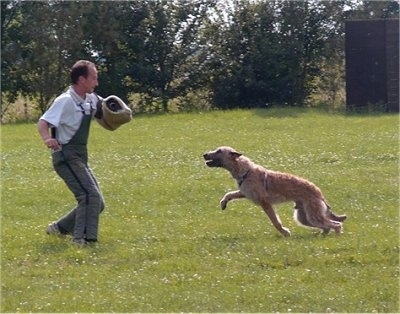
x: 165, y: 246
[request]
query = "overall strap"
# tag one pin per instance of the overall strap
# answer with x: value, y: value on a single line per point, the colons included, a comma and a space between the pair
x: 82, y: 134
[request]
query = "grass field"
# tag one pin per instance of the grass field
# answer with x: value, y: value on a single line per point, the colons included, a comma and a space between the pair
x: 165, y: 246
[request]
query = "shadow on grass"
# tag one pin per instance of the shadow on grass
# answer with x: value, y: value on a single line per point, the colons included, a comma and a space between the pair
x: 279, y: 112
x: 296, y: 112
x: 60, y: 245
x: 270, y: 236
x: 54, y: 246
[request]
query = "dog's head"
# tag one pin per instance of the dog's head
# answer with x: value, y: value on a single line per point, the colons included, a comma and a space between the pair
x: 221, y: 157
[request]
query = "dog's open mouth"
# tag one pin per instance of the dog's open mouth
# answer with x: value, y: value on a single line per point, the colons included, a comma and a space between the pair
x: 212, y: 162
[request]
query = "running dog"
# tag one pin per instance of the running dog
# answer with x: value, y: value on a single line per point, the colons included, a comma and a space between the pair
x: 265, y: 188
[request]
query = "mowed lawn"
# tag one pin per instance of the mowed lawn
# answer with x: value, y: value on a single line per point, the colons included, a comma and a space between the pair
x: 164, y: 243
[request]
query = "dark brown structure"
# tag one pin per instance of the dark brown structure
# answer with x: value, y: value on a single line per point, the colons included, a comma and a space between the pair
x: 372, y: 63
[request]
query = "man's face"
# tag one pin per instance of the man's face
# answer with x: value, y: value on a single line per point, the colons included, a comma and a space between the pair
x: 90, y: 82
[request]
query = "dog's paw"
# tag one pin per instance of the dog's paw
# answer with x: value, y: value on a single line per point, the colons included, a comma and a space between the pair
x: 286, y: 232
x: 223, y: 204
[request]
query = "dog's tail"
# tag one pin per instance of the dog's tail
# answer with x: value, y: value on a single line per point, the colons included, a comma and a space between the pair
x: 332, y: 215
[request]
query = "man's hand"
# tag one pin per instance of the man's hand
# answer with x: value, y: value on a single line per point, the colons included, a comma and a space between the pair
x: 43, y: 128
x: 52, y: 143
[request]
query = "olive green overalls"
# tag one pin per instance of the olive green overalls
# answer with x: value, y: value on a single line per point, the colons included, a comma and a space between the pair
x: 71, y: 164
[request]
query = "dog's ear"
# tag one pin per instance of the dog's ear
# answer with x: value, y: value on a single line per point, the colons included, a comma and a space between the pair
x: 236, y: 154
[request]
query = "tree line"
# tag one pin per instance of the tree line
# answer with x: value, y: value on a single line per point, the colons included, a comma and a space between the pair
x: 166, y: 55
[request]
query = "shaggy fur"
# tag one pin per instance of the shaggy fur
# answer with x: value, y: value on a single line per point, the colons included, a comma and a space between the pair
x: 265, y: 187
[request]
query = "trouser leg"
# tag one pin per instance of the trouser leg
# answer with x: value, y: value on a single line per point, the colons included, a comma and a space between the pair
x: 83, y: 220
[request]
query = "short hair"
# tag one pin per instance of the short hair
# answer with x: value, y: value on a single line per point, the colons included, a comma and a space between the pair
x: 80, y: 68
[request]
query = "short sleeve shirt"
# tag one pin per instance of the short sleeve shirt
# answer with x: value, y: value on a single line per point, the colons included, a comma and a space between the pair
x: 67, y: 111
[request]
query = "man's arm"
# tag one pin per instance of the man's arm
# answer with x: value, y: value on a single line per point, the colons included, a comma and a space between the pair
x: 43, y: 129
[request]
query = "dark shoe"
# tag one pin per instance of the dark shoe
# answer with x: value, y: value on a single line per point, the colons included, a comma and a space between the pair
x: 54, y: 229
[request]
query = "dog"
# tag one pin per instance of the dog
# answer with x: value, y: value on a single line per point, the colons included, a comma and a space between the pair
x: 265, y: 188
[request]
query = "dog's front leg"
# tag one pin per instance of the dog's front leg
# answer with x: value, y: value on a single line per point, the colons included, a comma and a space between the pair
x: 275, y: 219
x: 230, y: 196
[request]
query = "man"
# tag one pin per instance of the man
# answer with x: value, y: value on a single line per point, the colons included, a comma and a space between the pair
x: 64, y: 128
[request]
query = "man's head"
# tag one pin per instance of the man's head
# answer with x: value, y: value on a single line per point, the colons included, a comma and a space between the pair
x: 84, y: 75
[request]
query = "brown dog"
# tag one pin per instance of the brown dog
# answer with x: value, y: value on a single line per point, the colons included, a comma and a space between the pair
x: 265, y: 187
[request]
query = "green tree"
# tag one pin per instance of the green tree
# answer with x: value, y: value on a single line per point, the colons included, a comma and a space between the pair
x: 170, y: 56
x: 270, y: 52
x: 240, y: 37
x: 302, y: 32
x: 112, y: 37
x: 38, y: 45
x: 10, y: 84
x: 329, y: 85
x: 375, y: 9
x: 244, y: 53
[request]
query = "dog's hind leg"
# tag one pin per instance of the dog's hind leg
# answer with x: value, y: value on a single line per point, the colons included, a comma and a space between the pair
x: 275, y: 219
x: 301, y: 217
x: 316, y: 214
x: 230, y: 196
